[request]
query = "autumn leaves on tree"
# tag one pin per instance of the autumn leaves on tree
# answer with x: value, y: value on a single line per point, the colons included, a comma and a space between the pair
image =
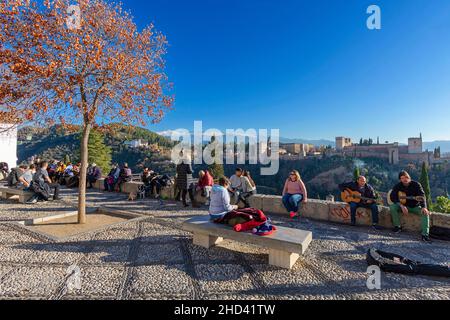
x: 106, y: 70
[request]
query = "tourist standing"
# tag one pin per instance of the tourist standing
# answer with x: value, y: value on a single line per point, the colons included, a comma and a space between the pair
x: 184, y: 180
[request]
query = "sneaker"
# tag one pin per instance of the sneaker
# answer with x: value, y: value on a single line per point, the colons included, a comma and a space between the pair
x: 353, y: 224
x: 398, y: 229
x: 292, y: 215
x: 426, y: 239
x: 57, y: 199
x: 376, y: 227
x: 32, y: 201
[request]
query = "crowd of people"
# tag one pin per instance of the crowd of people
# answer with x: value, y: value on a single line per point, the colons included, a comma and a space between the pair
x: 45, y: 178
x: 407, y: 197
x: 222, y: 195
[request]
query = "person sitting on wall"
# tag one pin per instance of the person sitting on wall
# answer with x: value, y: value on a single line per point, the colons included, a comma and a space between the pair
x: 235, y: 186
x: 42, y: 184
x: 52, y: 170
x: 13, y: 177
x: 220, y: 200
x: 4, y: 170
x: 59, y: 174
x: 26, y: 179
x: 149, y: 179
x: 94, y: 174
x: 368, y: 194
x: 248, y: 188
x: 294, y: 193
x: 204, y: 185
x: 147, y: 176
x: 159, y: 182
x: 125, y: 176
x: 112, y: 178
x: 413, y: 200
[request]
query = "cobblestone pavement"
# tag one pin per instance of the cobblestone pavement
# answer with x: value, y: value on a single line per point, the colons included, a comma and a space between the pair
x: 152, y: 258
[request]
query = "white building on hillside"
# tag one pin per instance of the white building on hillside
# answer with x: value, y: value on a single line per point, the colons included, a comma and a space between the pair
x: 8, y: 144
x: 134, y: 144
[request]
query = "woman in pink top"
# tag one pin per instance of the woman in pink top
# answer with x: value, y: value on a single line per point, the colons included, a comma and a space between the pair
x: 294, y: 193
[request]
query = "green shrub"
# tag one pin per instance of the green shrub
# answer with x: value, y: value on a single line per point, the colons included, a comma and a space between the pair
x: 442, y: 205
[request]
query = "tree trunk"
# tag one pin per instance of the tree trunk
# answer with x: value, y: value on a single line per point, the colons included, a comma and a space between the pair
x: 83, y: 174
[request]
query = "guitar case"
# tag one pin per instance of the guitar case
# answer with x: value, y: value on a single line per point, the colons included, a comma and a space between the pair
x: 393, y: 263
x: 440, y: 233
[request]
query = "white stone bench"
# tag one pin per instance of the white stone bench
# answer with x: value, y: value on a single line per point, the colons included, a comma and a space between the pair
x: 24, y: 196
x: 285, y: 245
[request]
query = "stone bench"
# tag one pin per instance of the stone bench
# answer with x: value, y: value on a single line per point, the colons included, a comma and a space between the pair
x: 8, y: 193
x: 285, y: 245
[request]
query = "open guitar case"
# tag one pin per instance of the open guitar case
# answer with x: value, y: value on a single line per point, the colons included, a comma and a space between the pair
x: 393, y: 263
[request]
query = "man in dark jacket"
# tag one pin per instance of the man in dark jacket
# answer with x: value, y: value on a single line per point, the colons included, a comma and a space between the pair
x: 42, y: 184
x: 94, y: 174
x: 415, y: 204
x: 184, y: 181
x: 367, y: 192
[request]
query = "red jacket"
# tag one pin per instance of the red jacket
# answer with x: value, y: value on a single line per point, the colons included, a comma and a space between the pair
x: 254, y: 218
x: 206, y: 181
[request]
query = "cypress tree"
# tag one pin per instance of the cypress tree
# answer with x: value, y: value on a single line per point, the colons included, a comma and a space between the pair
x: 425, y: 181
x: 66, y: 159
x: 215, y: 169
x: 99, y: 152
x: 356, y: 173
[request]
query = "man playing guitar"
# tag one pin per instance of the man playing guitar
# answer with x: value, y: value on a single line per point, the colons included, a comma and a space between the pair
x: 408, y: 197
x: 360, y: 194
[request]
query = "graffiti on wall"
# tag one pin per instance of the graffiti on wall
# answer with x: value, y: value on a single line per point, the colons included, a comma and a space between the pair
x: 343, y: 213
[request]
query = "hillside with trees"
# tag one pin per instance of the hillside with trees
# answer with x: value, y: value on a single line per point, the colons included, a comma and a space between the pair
x: 59, y: 143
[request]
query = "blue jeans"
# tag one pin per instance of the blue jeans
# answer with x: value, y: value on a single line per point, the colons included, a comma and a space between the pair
x: 292, y: 202
x: 374, y: 207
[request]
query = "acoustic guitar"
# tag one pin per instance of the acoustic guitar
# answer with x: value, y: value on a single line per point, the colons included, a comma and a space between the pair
x: 403, y: 198
x: 350, y: 196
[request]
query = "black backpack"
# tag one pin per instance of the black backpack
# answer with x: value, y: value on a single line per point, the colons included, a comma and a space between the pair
x: 13, y: 178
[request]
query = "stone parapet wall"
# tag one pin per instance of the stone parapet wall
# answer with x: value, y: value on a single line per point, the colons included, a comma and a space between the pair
x: 337, y: 212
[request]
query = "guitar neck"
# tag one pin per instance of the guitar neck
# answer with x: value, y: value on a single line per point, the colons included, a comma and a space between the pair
x: 418, y: 199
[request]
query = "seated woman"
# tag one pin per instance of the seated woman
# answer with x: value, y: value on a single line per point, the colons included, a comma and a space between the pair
x: 204, y: 185
x: 125, y: 176
x: 248, y: 188
x: 112, y: 178
x: 220, y: 200
x: 294, y: 193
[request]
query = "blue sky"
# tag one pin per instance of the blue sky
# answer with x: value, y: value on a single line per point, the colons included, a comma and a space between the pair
x: 309, y: 68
